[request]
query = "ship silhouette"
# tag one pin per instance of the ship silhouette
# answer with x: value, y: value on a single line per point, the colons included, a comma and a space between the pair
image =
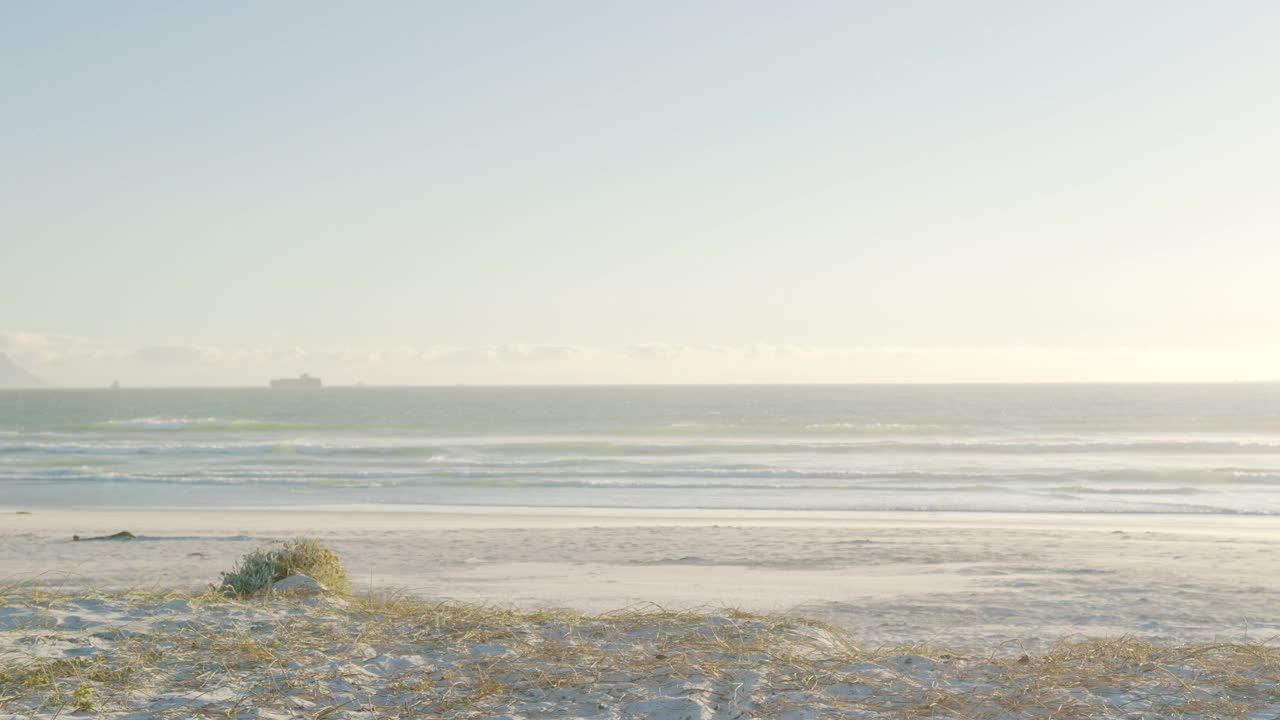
x: 302, y: 381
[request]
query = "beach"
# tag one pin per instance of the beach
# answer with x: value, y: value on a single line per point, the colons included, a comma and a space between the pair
x: 640, y: 361
x: 971, y: 581
x: 484, y: 612
x: 682, y: 553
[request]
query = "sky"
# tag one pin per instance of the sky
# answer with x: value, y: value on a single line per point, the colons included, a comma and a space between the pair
x: 607, y: 192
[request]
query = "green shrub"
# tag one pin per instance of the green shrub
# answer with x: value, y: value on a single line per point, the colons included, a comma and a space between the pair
x: 301, y: 556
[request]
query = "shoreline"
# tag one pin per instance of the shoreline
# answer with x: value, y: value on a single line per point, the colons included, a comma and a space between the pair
x: 584, y: 516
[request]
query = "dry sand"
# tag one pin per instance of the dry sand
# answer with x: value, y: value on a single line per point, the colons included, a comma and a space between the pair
x: 126, y: 629
x: 972, y: 582
x: 134, y: 656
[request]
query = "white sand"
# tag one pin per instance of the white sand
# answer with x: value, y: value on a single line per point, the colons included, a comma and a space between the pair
x: 132, y: 658
x: 966, y: 581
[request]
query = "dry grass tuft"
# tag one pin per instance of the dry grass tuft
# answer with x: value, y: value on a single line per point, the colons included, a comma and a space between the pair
x: 301, y: 556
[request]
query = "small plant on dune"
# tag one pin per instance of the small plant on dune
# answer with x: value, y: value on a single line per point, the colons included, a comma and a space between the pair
x: 82, y: 698
x: 301, y: 556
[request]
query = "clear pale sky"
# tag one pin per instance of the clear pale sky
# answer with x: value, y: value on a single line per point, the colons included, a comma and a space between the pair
x: 214, y: 193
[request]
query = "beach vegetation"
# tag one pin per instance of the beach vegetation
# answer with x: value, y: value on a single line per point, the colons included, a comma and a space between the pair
x: 82, y: 698
x: 258, y: 570
x: 214, y: 655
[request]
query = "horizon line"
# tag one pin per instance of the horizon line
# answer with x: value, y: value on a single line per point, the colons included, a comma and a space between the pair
x: 371, y: 386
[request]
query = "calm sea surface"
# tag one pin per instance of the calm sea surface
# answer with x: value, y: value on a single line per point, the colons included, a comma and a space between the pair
x: 1071, y: 448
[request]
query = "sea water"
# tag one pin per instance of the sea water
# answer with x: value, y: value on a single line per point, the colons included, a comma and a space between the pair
x: 1006, y: 448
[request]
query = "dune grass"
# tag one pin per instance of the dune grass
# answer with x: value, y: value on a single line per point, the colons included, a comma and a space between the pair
x: 405, y: 657
x: 257, y: 570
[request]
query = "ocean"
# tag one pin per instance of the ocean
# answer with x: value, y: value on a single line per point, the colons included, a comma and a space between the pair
x: 1000, y: 448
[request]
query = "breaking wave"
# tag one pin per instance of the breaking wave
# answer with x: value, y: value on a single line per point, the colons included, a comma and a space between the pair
x: 1055, y: 449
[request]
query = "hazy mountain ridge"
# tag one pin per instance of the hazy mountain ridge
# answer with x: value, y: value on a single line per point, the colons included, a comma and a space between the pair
x: 13, y: 376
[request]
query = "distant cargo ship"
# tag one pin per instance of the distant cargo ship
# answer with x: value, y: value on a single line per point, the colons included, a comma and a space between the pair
x: 302, y: 381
